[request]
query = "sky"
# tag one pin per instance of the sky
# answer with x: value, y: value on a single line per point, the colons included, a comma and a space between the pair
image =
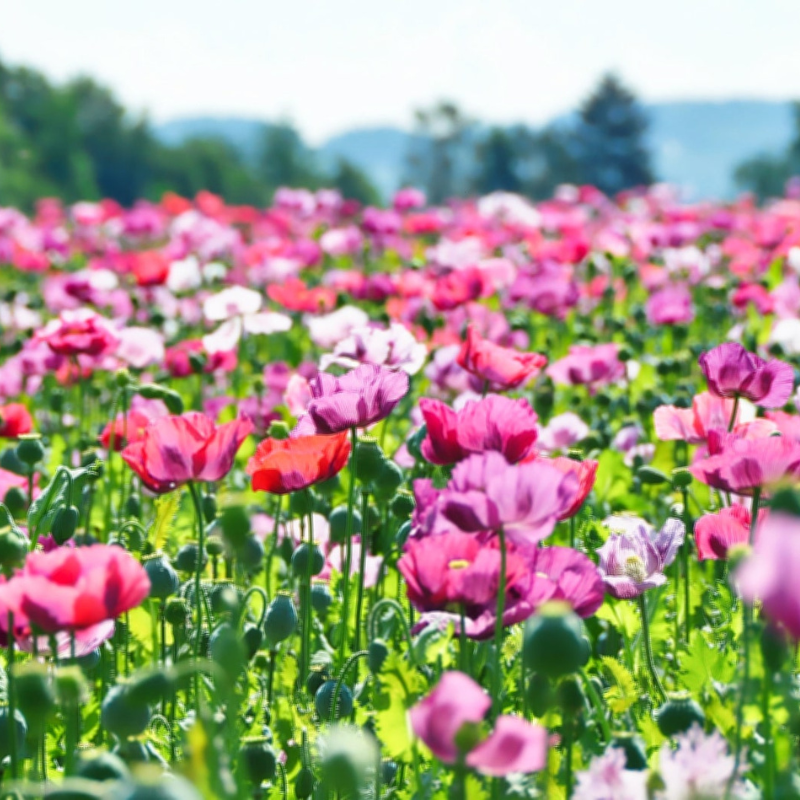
x: 331, y: 65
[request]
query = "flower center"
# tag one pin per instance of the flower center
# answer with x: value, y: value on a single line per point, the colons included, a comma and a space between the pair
x: 634, y: 569
x: 458, y: 563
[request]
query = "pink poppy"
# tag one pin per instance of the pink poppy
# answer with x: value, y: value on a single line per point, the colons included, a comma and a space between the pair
x: 671, y: 305
x: 592, y: 365
x: 716, y: 534
x: 501, y: 367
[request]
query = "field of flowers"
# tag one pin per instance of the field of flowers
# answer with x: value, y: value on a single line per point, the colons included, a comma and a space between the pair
x: 488, y: 500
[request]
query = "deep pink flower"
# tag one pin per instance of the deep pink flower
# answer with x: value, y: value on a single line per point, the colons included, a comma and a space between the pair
x: 576, y: 577
x: 715, y: 534
x: 74, y: 588
x: 501, y: 367
x: 671, y: 305
x: 592, y: 365
x: 585, y: 471
x: 733, y: 372
x: 770, y: 573
x: 740, y: 465
x: 514, y: 745
x: 492, y: 423
x: 357, y: 399
x: 174, y: 450
x: 691, y: 425
x: 81, y: 332
x: 486, y: 493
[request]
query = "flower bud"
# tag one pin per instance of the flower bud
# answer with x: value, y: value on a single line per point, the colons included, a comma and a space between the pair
x: 369, y: 458
x: 13, y: 549
x: 301, y: 557
x: 554, y: 643
x: 316, y: 677
x: 176, y: 612
x: 71, y: 688
x: 35, y: 697
x: 633, y: 746
x: 323, y: 701
x: 347, y: 757
x: 678, y: 714
x: 304, y: 784
x: 301, y: 504
x: 164, y: 581
x: 186, y: 559
x: 208, y: 503
x: 16, y: 502
x: 681, y: 478
x: 414, y: 442
x: 171, y: 399
x: 30, y: 449
x: 258, y: 759
x: 121, y: 715
x: 251, y: 554
x: 377, y: 653
x: 651, y: 476
x: 571, y: 697
x: 234, y: 522
x: 278, y: 429
x: 540, y: 694
x: 338, y: 524
x: 280, y: 621
x: 252, y: 639
x: 402, y: 505
x: 387, y: 481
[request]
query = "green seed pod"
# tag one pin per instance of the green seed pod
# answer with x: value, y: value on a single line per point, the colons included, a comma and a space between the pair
x: 120, y: 715
x: 208, y: 504
x: 571, y: 697
x: 300, y: 560
x: 226, y: 648
x: 635, y: 753
x: 30, y: 449
x: 186, y: 559
x: 323, y: 700
x: 402, y: 505
x: 252, y: 639
x: 57, y: 400
x: 251, y: 554
x: 215, y: 547
x: 338, y: 523
x: 71, y: 687
x: 651, y: 476
x: 258, y: 760
x: 387, y: 481
x: 774, y: 648
x: 35, y: 697
x: 678, y: 714
x: 234, y: 522
x: 321, y: 598
x: 281, y: 618
x: 176, y: 612
x: 316, y: 677
x: 164, y: 581
x: 64, y: 524
x: 301, y: 504
x: 369, y: 458
x: 150, y: 686
x: 102, y: 766
x: 278, y: 429
x: 554, y: 642
x: 13, y: 549
x: 224, y: 598
x: 347, y: 758
x: 304, y: 784
x: 681, y: 478
x: 378, y: 652
x: 10, y: 460
x: 540, y: 694
x: 16, y: 502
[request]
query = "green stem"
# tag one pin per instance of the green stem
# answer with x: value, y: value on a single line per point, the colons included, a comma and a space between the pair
x: 734, y: 413
x: 351, y: 497
x: 462, y: 640
x: 388, y: 602
x: 498, y: 625
x: 568, y: 741
x: 362, y: 565
x: 306, y: 601
x: 598, y: 706
x: 687, y: 522
x: 769, y: 743
x: 648, y: 649
x: 336, y: 689
x: 198, y: 574
x: 12, y: 700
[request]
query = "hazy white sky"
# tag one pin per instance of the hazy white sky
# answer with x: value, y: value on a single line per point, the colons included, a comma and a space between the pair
x: 332, y: 64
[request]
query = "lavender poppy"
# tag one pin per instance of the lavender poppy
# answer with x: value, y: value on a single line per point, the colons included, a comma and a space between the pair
x: 733, y: 372
x: 526, y: 499
x: 634, y: 559
x: 357, y: 399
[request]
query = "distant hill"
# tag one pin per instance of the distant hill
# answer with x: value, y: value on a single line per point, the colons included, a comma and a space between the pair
x: 696, y: 144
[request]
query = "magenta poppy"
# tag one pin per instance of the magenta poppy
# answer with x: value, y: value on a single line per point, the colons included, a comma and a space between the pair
x: 716, y: 534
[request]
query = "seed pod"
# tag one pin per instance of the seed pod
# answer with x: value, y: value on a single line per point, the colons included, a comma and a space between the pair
x: 121, y: 715
x: 300, y: 559
x: 554, y: 644
x: 378, y: 652
x: 280, y: 621
x: 323, y: 700
x: 678, y: 714
x: 258, y: 759
x: 164, y: 581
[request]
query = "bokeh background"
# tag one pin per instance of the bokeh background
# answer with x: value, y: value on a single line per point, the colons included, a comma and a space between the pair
x: 101, y: 99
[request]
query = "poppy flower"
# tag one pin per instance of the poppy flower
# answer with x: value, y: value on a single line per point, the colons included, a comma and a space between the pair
x: 591, y: 365
x: 585, y: 471
x: 770, y: 573
x: 357, y: 399
x: 634, y: 560
x: 492, y: 423
x: 80, y: 332
x: 691, y: 425
x: 501, y: 367
x: 741, y: 465
x: 130, y: 427
x: 15, y: 420
x: 288, y: 465
x: 457, y: 701
x: 671, y: 305
x: 716, y: 534
x: 75, y: 588
x: 731, y: 371
x: 174, y: 450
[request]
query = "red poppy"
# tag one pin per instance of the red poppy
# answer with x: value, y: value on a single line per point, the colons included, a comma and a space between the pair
x: 175, y: 450
x: 15, y: 420
x: 294, y: 295
x: 280, y: 466
x: 126, y: 431
x: 502, y: 367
